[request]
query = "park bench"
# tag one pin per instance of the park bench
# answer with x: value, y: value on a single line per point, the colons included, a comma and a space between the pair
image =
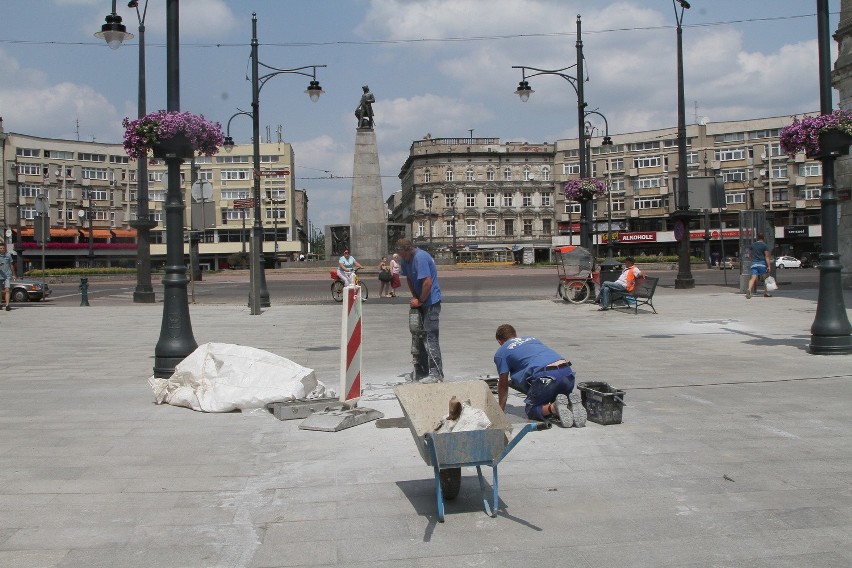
x: 642, y: 294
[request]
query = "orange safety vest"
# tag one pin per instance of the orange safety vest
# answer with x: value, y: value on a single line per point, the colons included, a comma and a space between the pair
x: 631, y: 278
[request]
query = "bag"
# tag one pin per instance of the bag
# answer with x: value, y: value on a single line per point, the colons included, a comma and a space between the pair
x: 385, y: 275
x: 770, y: 284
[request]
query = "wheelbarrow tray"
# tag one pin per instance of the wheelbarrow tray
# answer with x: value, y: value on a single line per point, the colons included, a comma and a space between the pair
x: 425, y: 405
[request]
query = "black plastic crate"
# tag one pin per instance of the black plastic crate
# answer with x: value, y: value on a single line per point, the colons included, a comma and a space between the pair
x: 602, y: 402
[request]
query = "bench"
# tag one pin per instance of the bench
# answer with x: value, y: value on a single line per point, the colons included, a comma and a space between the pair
x: 642, y: 294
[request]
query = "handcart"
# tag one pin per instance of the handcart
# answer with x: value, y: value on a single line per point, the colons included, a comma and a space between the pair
x: 578, y: 277
x: 447, y: 453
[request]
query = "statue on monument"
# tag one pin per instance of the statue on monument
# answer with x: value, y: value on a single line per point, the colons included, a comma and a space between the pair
x: 364, y: 112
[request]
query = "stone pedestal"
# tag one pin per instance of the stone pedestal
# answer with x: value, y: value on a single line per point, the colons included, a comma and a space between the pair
x: 367, y: 217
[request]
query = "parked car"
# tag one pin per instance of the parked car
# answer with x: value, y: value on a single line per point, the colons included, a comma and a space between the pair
x: 28, y: 290
x: 787, y: 262
x: 729, y: 263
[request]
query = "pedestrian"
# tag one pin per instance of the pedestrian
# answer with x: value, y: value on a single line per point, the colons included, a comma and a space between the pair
x: 6, y: 273
x: 625, y: 283
x: 761, y: 260
x: 542, y: 374
x: 419, y: 268
x: 346, y: 267
x: 395, y: 282
x: 385, y: 278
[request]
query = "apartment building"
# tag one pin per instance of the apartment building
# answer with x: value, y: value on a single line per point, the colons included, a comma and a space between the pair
x: 508, y: 196
x: 91, y: 187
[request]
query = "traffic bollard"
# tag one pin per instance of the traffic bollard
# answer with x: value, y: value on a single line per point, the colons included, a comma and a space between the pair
x: 84, y: 291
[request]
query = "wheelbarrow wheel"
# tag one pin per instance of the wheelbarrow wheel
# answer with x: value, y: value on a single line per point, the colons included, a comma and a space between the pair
x: 450, y: 482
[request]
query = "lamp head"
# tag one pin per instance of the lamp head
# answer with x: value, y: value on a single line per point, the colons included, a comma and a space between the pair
x: 228, y: 144
x: 113, y: 31
x: 314, y: 90
x: 524, y: 91
x: 683, y: 4
x: 607, y: 141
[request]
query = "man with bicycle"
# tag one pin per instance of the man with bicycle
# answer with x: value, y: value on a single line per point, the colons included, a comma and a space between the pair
x: 419, y: 268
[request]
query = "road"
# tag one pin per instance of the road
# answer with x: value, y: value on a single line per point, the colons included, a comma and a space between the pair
x: 458, y: 285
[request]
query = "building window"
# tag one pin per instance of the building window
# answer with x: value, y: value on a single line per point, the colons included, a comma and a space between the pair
x: 470, y: 199
x: 527, y: 174
x: 648, y: 202
x: 278, y: 213
x: 27, y: 152
x: 507, y: 199
x: 271, y: 159
x: 93, y: 173
x: 616, y: 164
x: 641, y: 146
x: 507, y: 174
x: 545, y: 200
x: 647, y: 162
x: 449, y: 175
x: 617, y: 205
x: 527, y: 199
x: 546, y: 227
x: 229, y: 194
x: 528, y: 227
x: 449, y: 200
x: 469, y: 174
x: 508, y: 227
x: 731, y: 198
x: 233, y: 159
x: 545, y: 174
x: 88, y: 157
x: 29, y: 169
x: 810, y: 169
x: 96, y: 195
x: 779, y: 172
x: 234, y: 175
x: 62, y: 155
x: 156, y: 195
x: 811, y: 193
x: 489, y: 174
x: 616, y: 185
x: 757, y: 134
x: 739, y: 174
x: 568, y: 169
x: 691, y: 158
x: 571, y: 208
x: 448, y: 228
x: 427, y: 176
x: 779, y: 194
x: 647, y: 182
x: 490, y: 200
x: 491, y: 228
x: 118, y: 159
x: 730, y: 154
x: 28, y: 190
x: 421, y: 228
x: 236, y: 214
x: 730, y: 137
x: 471, y: 227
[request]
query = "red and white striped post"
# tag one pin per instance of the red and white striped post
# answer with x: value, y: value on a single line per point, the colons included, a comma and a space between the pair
x: 350, y: 346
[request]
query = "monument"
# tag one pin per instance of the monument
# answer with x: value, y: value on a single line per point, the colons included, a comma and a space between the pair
x: 367, y: 216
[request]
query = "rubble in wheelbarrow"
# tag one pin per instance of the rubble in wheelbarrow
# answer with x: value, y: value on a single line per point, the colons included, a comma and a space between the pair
x: 463, y: 417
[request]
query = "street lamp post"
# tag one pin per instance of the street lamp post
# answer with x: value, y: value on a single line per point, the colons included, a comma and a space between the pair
x: 86, y: 213
x: 259, y: 294
x: 831, y: 333
x: 524, y: 91
x: 429, y: 199
x: 682, y: 215
x: 114, y: 33
x: 19, y: 246
x: 607, y: 141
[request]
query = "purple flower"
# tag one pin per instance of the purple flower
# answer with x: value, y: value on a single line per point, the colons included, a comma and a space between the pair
x: 142, y: 134
x: 803, y: 135
x: 581, y: 189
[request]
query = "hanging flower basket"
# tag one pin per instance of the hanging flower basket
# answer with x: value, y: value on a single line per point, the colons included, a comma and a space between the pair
x: 175, y: 134
x: 826, y: 135
x: 584, y: 189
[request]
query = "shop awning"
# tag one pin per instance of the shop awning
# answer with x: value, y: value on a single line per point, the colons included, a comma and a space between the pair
x: 97, y: 233
x: 124, y: 233
x: 60, y: 232
x: 27, y: 232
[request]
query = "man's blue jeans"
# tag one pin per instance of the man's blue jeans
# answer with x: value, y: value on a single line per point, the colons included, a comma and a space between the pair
x: 606, y: 292
x: 429, y: 357
x: 543, y: 390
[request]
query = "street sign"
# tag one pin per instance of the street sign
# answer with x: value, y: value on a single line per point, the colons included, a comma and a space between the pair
x: 201, y: 191
x: 679, y: 231
x: 282, y: 172
x: 243, y: 203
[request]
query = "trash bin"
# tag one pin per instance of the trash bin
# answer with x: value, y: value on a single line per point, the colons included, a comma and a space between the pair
x: 610, y: 271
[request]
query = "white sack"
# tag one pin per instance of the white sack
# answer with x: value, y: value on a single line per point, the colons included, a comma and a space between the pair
x: 221, y: 377
x: 470, y: 419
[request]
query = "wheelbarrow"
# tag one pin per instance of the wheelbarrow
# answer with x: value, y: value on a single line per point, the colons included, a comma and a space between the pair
x: 425, y: 405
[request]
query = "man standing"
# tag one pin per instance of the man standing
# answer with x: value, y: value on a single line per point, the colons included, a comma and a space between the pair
x: 625, y: 283
x: 542, y: 374
x: 419, y: 268
x: 6, y: 272
x: 761, y: 261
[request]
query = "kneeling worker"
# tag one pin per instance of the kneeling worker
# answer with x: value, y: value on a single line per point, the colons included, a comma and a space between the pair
x: 540, y: 373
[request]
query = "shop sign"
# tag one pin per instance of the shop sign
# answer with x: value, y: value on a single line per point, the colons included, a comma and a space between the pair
x: 649, y: 237
x: 795, y: 231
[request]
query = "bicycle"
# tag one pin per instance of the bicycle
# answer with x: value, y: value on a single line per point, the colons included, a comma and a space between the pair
x: 337, y: 287
x: 578, y: 279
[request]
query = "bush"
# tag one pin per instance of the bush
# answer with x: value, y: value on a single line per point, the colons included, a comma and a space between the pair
x: 81, y: 272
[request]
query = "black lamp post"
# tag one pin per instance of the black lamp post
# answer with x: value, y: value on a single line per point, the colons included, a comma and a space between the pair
x: 429, y: 197
x: 19, y: 247
x: 831, y: 333
x: 176, y: 339
x: 259, y: 294
x: 682, y: 215
x: 87, y: 213
x: 451, y: 199
x: 113, y: 32
x: 524, y: 91
x: 607, y: 141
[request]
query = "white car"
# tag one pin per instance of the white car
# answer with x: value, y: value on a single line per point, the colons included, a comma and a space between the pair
x: 787, y: 262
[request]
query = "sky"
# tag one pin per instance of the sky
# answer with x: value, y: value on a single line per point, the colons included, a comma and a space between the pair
x: 438, y: 67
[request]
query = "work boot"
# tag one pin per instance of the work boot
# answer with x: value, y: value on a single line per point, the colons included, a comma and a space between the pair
x: 562, y: 412
x: 578, y: 411
x: 748, y: 294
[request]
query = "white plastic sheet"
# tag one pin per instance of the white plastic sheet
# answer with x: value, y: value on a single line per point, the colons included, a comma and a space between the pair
x: 221, y: 377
